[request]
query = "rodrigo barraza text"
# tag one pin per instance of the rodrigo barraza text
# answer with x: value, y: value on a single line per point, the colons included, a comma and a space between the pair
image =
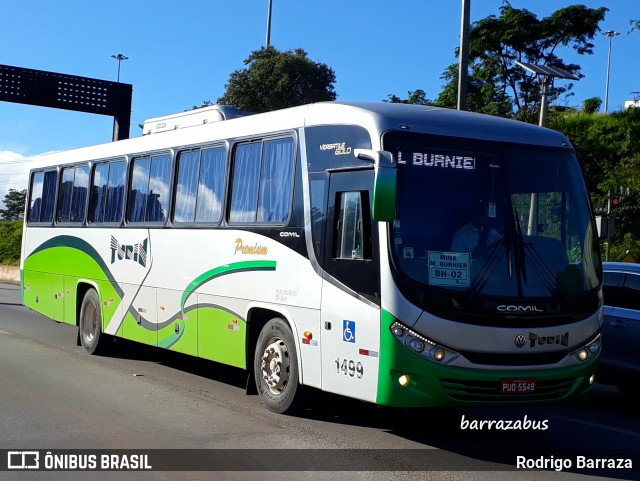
x: 580, y: 462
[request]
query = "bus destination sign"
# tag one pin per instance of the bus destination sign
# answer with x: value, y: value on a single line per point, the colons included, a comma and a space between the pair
x: 449, y: 268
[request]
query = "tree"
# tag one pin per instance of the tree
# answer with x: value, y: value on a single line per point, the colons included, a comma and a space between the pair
x: 496, y: 43
x: 10, y: 242
x: 480, y: 97
x: 205, y: 103
x: 276, y: 80
x: 14, y: 205
x: 591, y: 105
x: 416, y: 97
x: 609, y: 152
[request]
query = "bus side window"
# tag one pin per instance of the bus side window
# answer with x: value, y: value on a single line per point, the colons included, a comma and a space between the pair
x: 274, y: 202
x: 79, y: 195
x: 72, y: 196
x: 149, y: 194
x: 213, y: 172
x: 115, y: 192
x: 246, y: 175
x: 48, y: 196
x: 35, y: 204
x: 107, y: 192
x: 187, y: 186
x: 64, y: 195
x: 353, y: 232
x: 200, y: 185
x: 158, y: 197
x: 98, y: 196
x: 262, y: 181
x: 137, y: 201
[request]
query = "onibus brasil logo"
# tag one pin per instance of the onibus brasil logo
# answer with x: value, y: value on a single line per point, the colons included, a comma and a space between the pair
x: 136, y: 252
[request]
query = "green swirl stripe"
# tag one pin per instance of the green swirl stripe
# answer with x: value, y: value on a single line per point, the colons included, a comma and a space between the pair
x: 222, y: 271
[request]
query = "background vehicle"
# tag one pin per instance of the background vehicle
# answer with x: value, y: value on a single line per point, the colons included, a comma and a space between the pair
x: 620, y: 360
x: 312, y: 246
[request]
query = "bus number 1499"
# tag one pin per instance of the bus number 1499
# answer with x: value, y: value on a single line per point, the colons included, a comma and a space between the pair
x: 350, y: 367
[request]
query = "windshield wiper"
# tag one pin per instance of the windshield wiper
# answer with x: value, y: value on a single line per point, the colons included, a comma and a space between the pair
x: 508, y: 245
x: 542, y: 270
x: 537, y: 263
x: 513, y: 239
x: 493, y: 259
x: 521, y: 269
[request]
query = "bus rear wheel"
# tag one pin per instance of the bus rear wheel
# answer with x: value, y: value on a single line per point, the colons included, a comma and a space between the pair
x: 275, y: 366
x: 90, y: 325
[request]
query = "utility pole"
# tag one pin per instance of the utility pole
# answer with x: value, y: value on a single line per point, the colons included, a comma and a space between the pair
x: 269, y: 25
x: 463, y: 67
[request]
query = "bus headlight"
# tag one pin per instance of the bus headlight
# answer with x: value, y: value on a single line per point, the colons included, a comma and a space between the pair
x: 417, y: 345
x: 398, y: 330
x: 439, y: 354
x: 587, y: 351
x: 422, y: 345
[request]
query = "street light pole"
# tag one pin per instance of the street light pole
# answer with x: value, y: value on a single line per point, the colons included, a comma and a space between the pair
x: 116, y: 121
x: 545, y: 75
x: 269, y: 25
x: 119, y: 57
x: 463, y: 67
x: 610, y: 34
x: 545, y: 80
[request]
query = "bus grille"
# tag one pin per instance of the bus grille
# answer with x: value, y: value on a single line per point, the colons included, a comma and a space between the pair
x: 489, y: 391
x: 499, y: 359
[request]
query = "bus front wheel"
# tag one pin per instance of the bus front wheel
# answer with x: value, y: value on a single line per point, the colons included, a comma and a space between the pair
x: 275, y: 366
x: 90, y: 324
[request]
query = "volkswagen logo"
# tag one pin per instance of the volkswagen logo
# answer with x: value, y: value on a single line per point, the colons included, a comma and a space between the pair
x: 520, y: 340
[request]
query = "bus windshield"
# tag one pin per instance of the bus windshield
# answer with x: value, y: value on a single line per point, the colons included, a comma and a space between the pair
x: 478, y: 220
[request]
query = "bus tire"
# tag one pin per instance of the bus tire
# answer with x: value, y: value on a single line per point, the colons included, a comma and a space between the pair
x: 275, y: 366
x: 90, y: 323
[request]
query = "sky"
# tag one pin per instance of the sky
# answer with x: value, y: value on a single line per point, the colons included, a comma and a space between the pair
x: 182, y: 53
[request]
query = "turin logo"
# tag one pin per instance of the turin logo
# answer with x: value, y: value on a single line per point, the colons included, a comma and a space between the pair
x: 136, y: 252
x: 538, y: 340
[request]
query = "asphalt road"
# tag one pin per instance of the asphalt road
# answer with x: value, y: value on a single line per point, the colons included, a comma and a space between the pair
x: 53, y: 397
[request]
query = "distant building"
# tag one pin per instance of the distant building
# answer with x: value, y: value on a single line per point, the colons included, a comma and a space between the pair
x: 632, y: 104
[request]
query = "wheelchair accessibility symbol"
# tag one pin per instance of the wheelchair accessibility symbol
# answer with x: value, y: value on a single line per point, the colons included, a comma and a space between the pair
x: 349, y: 331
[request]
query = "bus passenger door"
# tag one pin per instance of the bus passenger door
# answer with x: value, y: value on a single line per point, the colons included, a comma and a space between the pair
x: 350, y: 307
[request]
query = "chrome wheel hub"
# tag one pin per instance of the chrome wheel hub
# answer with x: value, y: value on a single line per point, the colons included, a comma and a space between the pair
x: 90, y: 323
x: 275, y: 366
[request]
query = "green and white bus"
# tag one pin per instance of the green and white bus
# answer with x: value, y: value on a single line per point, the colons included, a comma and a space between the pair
x: 316, y: 246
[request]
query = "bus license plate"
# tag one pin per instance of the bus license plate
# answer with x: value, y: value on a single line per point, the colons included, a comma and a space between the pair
x: 518, y: 386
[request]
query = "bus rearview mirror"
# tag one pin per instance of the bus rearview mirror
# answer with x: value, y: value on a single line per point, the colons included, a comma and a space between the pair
x: 383, y: 205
